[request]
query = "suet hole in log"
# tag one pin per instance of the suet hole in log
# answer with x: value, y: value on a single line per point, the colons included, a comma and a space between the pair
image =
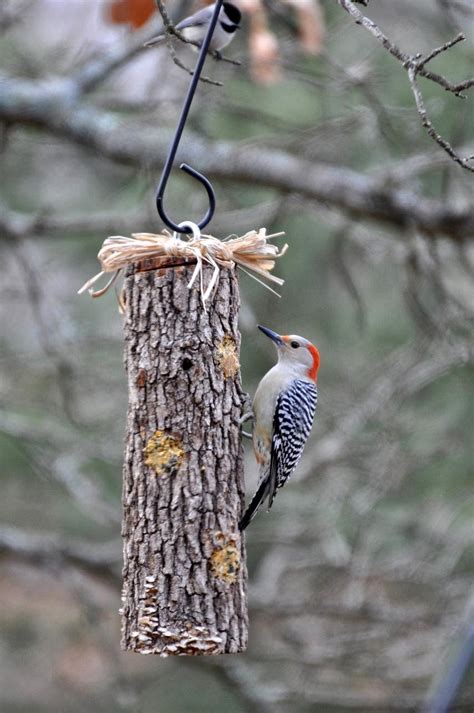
x: 186, y: 364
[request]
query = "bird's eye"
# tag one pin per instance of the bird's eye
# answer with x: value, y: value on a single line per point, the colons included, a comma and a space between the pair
x: 295, y: 345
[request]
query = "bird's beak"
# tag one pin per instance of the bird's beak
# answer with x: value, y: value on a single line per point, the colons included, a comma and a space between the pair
x: 273, y: 335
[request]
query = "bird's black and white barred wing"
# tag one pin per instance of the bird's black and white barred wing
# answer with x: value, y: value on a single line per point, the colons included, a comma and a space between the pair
x: 294, y: 415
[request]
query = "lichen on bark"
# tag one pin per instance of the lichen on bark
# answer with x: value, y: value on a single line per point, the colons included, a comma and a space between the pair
x: 228, y: 357
x: 225, y: 560
x: 184, y: 576
x: 163, y: 453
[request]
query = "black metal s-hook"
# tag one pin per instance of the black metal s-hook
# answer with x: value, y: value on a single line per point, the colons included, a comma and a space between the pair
x: 177, y: 137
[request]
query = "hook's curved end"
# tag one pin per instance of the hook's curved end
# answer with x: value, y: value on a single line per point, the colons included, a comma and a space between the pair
x: 209, y: 190
x: 210, y: 193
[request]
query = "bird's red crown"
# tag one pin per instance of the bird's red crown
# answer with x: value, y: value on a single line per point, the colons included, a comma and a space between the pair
x: 313, y: 370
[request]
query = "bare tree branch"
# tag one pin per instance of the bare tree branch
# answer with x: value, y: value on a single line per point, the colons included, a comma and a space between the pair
x: 415, y: 65
x: 54, y: 106
x: 181, y: 65
x: 404, y: 377
x: 420, y: 105
x: 171, y: 30
x: 17, y: 225
x: 95, y: 557
x: 97, y: 69
x: 12, y: 12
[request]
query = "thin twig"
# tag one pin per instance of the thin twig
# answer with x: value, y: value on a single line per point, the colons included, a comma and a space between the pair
x: 171, y: 30
x: 181, y: 65
x: 420, y: 106
x: 447, y: 45
x: 415, y: 65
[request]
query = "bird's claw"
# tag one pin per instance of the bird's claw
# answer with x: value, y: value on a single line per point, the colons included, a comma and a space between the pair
x: 248, y: 416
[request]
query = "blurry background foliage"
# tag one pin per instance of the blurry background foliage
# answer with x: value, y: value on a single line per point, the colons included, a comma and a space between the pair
x: 359, y: 578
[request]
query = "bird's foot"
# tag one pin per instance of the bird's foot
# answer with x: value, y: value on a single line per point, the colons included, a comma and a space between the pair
x: 248, y: 416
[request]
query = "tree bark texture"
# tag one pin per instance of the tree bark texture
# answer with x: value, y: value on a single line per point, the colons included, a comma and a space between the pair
x: 184, y: 576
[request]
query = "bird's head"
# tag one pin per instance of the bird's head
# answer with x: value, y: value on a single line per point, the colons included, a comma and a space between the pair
x: 233, y: 14
x: 295, y: 351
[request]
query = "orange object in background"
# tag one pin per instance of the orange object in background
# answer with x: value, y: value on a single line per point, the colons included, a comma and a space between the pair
x: 133, y: 12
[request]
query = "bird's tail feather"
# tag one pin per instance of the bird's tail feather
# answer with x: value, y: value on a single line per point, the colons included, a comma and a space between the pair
x: 262, y: 492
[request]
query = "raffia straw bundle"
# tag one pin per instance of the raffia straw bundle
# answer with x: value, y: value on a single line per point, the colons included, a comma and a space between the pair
x: 252, y: 253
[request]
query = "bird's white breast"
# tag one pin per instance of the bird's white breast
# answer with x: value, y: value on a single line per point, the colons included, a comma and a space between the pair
x: 194, y: 34
x: 274, y: 381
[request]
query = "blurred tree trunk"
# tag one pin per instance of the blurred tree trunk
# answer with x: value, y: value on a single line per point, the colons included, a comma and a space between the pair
x: 184, y: 588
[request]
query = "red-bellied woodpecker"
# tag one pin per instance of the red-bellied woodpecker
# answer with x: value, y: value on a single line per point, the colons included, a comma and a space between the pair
x: 283, y: 412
